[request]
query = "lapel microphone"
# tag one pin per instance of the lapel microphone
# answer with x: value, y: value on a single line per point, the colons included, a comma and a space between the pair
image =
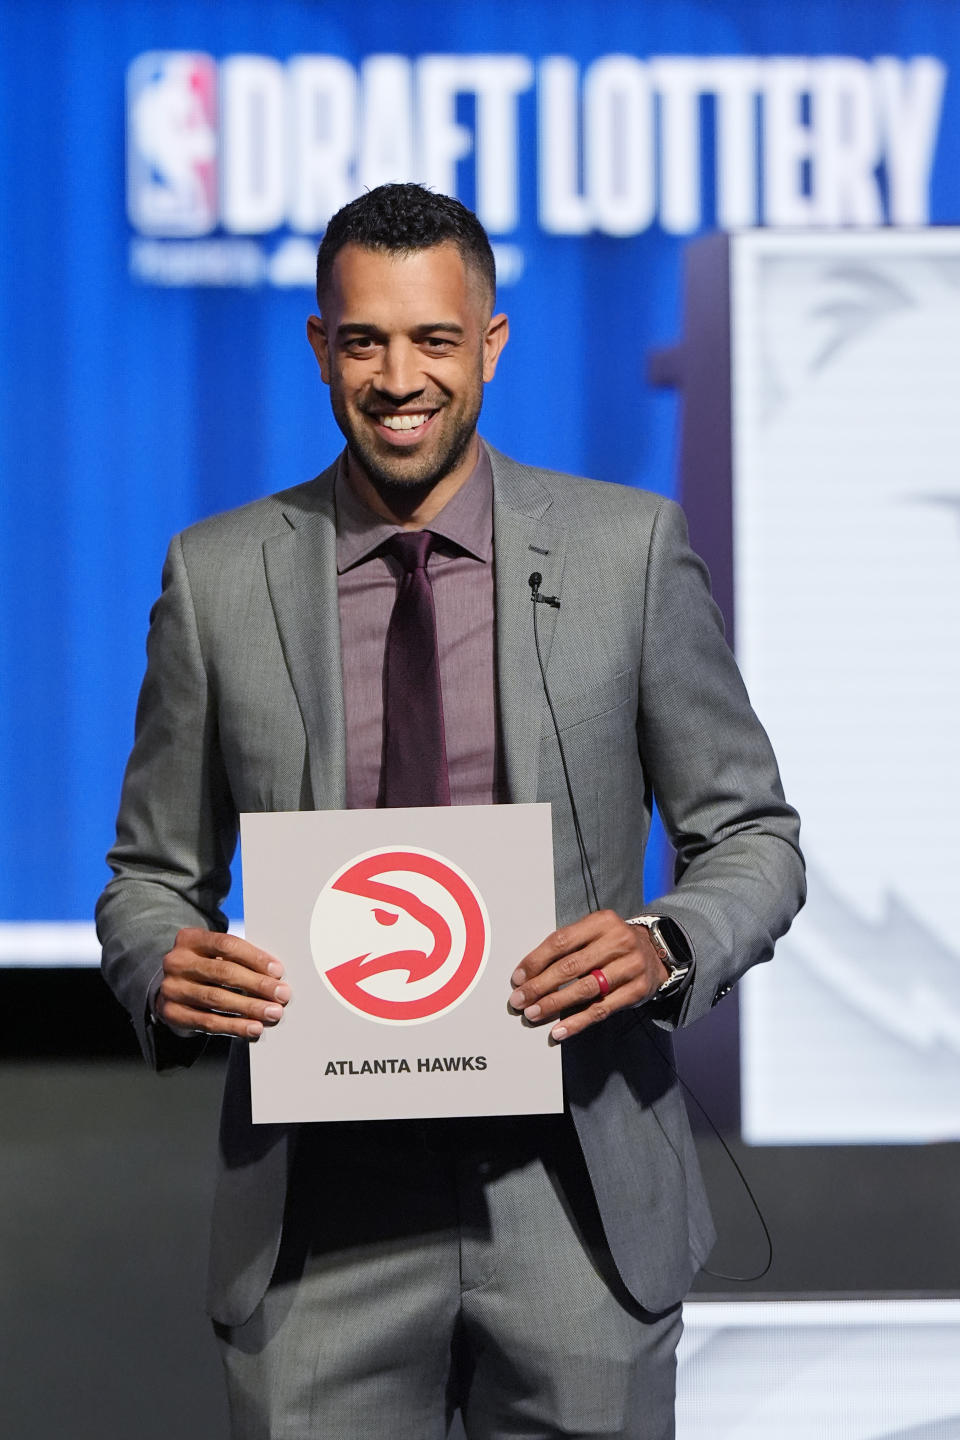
x: 535, y: 581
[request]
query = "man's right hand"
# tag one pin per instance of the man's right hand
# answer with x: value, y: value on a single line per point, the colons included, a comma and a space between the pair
x: 220, y: 985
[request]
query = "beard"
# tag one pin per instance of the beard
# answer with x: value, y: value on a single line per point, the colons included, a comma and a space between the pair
x: 403, y: 474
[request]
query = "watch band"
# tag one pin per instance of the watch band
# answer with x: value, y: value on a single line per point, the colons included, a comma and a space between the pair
x: 678, y: 967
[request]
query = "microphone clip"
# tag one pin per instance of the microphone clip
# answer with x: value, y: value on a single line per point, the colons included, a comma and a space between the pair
x: 535, y: 581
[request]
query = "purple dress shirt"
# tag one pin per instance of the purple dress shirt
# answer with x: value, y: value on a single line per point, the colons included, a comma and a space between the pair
x: 461, y: 573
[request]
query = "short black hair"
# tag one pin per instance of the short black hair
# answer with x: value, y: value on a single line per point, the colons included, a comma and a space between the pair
x: 402, y: 219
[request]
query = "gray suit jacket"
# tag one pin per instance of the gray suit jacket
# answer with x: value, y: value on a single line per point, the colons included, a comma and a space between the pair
x: 241, y: 709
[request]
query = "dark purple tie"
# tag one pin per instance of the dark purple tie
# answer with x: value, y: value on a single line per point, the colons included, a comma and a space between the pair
x: 414, y: 769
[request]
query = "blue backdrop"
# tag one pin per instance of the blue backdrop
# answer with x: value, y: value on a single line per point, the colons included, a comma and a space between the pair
x: 165, y: 171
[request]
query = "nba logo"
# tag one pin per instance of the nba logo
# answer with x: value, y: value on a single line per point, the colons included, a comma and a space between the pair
x: 172, y: 143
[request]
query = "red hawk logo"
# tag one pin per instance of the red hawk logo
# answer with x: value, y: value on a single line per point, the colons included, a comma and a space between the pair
x: 400, y: 935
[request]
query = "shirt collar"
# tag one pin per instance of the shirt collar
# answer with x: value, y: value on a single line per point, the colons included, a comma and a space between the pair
x: 466, y: 520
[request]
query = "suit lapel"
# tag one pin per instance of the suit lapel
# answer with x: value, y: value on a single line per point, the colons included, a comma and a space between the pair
x: 524, y: 540
x: 301, y: 569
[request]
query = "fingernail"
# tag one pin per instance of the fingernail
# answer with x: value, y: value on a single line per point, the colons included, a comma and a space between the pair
x: 518, y: 977
x: 559, y: 1033
x: 532, y: 1012
x: 275, y: 968
x: 254, y: 1031
x: 282, y: 992
x: 517, y: 999
x: 273, y: 1012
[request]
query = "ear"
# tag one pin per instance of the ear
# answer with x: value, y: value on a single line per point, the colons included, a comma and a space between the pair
x: 495, y: 337
x: 317, y: 336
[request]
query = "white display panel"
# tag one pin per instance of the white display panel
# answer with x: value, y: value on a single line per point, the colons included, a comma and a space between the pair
x: 819, y: 1370
x: 846, y: 506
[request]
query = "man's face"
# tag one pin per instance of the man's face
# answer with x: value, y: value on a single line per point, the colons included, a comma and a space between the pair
x: 406, y: 343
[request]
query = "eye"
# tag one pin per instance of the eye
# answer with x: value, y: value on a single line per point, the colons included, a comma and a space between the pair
x: 384, y: 917
x: 360, y: 345
x: 438, y: 344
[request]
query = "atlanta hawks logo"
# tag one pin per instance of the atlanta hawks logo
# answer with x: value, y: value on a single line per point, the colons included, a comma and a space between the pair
x: 400, y: 936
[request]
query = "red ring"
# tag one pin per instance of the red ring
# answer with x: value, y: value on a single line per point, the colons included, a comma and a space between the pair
x: 602, y: 981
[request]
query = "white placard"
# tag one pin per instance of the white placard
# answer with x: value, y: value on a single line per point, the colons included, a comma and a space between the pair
x: 399, y: 931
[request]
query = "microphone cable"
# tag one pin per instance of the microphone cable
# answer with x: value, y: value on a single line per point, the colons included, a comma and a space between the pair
x: 593, y: 904
x: 586, y: 870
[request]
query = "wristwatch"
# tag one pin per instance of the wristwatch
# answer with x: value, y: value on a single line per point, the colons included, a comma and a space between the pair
x: 672, y: 949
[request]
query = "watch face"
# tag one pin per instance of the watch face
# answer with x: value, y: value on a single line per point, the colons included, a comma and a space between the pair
x: 674, y: 937
x: 671, y: 945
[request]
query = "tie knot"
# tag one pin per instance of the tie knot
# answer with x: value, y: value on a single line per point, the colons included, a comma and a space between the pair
x: 411, y: 548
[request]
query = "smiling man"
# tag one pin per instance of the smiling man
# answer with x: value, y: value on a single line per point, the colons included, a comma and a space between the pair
x: 406, y: 382
x: 367, y: 639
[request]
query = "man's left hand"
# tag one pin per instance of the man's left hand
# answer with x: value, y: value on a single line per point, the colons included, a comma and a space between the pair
x: 555, y: 980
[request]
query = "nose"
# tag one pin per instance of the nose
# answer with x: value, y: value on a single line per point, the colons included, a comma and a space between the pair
x: 400, y: 375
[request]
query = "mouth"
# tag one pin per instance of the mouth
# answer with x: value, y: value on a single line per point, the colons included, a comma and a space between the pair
x: 403, y: 427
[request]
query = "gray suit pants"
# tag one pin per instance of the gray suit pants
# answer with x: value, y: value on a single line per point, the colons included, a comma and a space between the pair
x: 433, y: 1266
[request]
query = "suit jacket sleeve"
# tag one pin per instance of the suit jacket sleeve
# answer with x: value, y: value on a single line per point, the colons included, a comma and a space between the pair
x: 739, y: 877
x: 177, y: 826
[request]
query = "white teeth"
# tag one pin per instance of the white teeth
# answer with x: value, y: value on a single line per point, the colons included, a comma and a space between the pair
x: 403, y: 422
